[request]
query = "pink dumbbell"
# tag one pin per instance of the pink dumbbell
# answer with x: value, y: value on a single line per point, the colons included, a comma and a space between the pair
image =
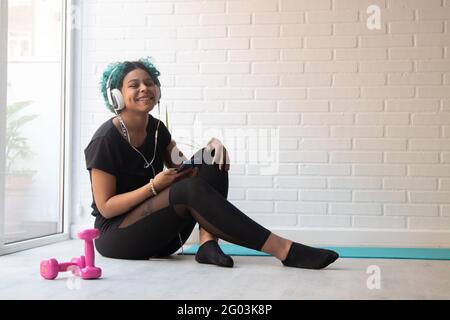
x: 90, y: 271
x: 50, y: 268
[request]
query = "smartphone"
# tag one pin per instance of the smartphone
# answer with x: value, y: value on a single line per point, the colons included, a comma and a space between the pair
x: 186, y: 165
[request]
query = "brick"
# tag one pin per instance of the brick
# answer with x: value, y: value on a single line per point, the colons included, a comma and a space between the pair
x: 389, y: 41
x: 273, y: 119
x: 357, y: 132
x: 325, y: 221
x: 379, y: 196
x: 330, y: 67
x: 433, y: 13
x: 292, y: 30
x: 277, y: 68
x: 440, y: 118
x: 355, y: 209
x: 444, y: 184
x: 201, y: 81
x: 305, y: 80
x: 252, y: 81
x: 387, y: 66
x: 416, y: 27
x: 412, y: 105
x: 331, y: 16
x: 379, y: 170
x: 281, y: 93
x: 201, y: 56
x: 356, y: 157
x: 282, y: 220
x: 325, y: 144
x: 250, y: 106
x: 252, y: 182
x: 278, y: 18
x: 303, y: 131
x: 429, y: 171
x: 433, y: 65
x: 306, y: 54
x: 253, y: 31
x: 223, y: 44
x: 201, y: 32
x: 325, y: 195
x: 360, y: 54
x: 369, y: 79
x: 282, y: 170
x: 388, y: 92
x: 252, y: 6
x: 354, y: 183
x: 432, y: 40
x: 330, y: 42
x: 299, y: 156
x: 300, y: 182
x: 415, y: 53
x: 327, y: 119
x: 372, y: 105
x: 275, y: 43
x: 211, y: 118
x: 225, y: 19
x: 224, y: 68
x: 410, y: 183
x: 415, y: 79
x: 304, y: 106
x: 411, y: 210
x: 357, y: 4
x: 429, y: 223
x: 333, y: 93
x: 254, y: 55
x: 300, y: 207
x: 347, y: 29
x: 382, y: 118
x: 379, y: 222
x: 414, y: 3
x: 324, y: 169
x: 271, y: 194
x: 228, y: 93
x: 172, y: 20
x: 304, y: 5
x: 379, y: 144
x: 412, y: 132
x: 192, y: 7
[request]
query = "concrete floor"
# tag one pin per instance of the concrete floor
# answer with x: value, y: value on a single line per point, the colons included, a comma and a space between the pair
x: 180, y: 277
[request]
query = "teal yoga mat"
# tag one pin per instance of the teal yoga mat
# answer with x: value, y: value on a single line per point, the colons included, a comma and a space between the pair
x: 351, y: 252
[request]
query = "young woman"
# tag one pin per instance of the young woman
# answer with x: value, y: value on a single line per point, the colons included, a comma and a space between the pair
x: 144, y: 211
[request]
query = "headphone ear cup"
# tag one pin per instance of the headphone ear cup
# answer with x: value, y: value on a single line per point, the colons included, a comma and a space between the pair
x: 118, y: 100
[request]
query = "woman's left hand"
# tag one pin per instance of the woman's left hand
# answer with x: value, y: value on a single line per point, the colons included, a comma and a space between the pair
x: 220, y: 154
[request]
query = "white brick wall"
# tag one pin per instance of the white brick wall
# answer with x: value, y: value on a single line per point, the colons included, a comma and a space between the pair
x: 363, y: 115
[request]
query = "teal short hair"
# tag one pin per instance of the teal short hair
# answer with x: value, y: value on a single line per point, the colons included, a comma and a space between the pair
x: 121, y: 69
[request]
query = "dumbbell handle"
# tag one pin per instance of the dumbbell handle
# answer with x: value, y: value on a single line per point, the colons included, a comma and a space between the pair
x: 89, y: 252
x: 65, y: 265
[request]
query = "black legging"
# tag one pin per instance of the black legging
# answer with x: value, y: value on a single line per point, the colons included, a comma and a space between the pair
x: 169, y: 218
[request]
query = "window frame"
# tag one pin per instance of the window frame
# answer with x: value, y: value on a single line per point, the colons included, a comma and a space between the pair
x: 65, y: 132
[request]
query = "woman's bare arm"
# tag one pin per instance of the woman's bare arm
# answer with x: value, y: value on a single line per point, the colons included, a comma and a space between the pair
x: 108, y: 203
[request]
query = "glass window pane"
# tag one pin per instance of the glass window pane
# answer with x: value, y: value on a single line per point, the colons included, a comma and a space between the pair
x: 34, y: 109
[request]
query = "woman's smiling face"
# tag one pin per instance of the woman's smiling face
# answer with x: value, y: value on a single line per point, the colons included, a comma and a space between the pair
x: 139, y: 91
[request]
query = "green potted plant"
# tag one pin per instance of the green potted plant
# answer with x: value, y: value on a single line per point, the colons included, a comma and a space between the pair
x: 17, y: 146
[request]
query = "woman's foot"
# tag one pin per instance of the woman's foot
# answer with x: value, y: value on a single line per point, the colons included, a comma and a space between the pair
x: 210, y: 253
x: 301, y: 256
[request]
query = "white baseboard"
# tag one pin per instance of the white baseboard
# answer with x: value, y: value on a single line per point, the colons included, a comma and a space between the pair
x: 346, y: 237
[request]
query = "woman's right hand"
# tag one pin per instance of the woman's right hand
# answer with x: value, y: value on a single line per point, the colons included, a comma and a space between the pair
x: 169, y: 176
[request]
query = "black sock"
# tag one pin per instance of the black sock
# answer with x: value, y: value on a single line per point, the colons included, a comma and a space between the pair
x: 210, y: 253
x: 302, y: 256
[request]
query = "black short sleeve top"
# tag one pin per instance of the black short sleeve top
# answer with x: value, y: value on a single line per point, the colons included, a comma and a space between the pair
x: 109, y: 151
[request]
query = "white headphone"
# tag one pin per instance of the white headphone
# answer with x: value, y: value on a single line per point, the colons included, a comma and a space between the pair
x: 115, y: 97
